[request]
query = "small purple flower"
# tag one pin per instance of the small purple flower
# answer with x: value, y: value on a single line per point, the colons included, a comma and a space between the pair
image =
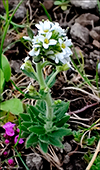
x: 10, y: 132
x: 8, y: 125
x: 17, y: 130
x: 9, y: 128
x: 11, y: 162
x: 20, y: 140
x: 7, y: 141
x: 5, y: 135
x: 5, y: 153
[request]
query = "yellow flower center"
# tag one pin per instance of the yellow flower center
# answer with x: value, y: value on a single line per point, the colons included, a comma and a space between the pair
x: 46, y: 41
x: 35, y: 49
x: 45, y: 30
x: 63, y: 45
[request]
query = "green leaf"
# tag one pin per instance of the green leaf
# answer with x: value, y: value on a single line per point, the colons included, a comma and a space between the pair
x: 30, y: 74
x: 14, y: 106
x: 31, y: 140
x: 61, y: 122
x: 77, y: 135
x: 33, y: 111
x: 30, y: 32
x: 24, y: 134
x: 24, y: 128
x: 63, y: 7
x: 37, y: 129
x: 60, y: 109
x: 27, y: 124
x: 91, y: 141
x: 61, y: 132
x: 57, y: 3
x: 2, y: 80
x: 41, y: 106
x: 55, y: 142
x: 44, y: 146
x: 44, y: 138
x: 25, y: 116
x: 6, y: 68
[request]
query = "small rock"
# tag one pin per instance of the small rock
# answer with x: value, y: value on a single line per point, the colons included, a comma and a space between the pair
x: 48, y: 4
x: 67, y: 147
x: 66, y: 159
x: 15, y: 66
x: 79, y: 33
x: 34, y: 161
x: 96, y: 44
x: 84, y: 4
x: 20, y: 13
x: 97, y: 29
x: 87, y: 19
x: 94, y: 35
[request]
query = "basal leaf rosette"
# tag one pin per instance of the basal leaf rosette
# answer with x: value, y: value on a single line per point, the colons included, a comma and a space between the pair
x: 37, y: 129
x: 51, y: 43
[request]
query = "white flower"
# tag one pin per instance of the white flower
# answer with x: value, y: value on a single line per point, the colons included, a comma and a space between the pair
x: 36, y: 40
x: 35, y: 51
x: 57, y: 28
x: 59, y: 56
x: 65, y: 46
x: 44, y: 27
x: 27, y: 38
x: 47, y: 41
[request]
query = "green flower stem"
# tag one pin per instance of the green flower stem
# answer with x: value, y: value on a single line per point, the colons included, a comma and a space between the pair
x: 40, y: 76
x: 52, y: 77
x: 11, y: 22
x: 5, y: 32
x: 48, y: 99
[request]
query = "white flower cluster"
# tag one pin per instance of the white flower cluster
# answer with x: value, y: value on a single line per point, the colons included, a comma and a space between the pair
x: 51, y: 42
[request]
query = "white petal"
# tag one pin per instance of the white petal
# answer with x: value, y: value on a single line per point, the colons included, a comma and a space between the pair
x: 68, y: 42
x: 27, y: 58
x: 48, y: 35
x: 22, y: 66
x: 52, y: 42
x: 31, y: 53
x: 38, y: 26
x: 49, y: 52
x: 37, y: 52
x: 45, y: 45
x: 27, y: 38
x: 56, y: 60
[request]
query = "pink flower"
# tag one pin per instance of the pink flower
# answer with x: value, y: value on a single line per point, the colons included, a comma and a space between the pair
x: 7, y: 141
x: 8, y: 125
x: 5, y: 153
x: 17, y: 130
x: 20, y: 140
x: 11, y: 162
x: 9, y: 128
x: 10, y: 132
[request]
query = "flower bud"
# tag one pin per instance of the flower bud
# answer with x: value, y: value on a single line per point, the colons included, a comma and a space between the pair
x: 11, y: 162
x: 7, y: 141
x: 5, y: 153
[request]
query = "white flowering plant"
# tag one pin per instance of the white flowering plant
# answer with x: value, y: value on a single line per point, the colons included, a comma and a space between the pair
x: 45, y: 123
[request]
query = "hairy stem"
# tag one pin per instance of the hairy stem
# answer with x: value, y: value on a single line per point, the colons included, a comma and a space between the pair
x: 48, y: 99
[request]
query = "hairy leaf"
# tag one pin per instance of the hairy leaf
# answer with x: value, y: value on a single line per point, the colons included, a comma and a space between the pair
x: 31, y: 140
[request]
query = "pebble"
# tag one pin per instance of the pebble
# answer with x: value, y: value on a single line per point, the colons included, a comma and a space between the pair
x: 96, y: 44
x: 80, y: 33
x: 84, y: 4
x: 34, y: 161
x: 94, y: 35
